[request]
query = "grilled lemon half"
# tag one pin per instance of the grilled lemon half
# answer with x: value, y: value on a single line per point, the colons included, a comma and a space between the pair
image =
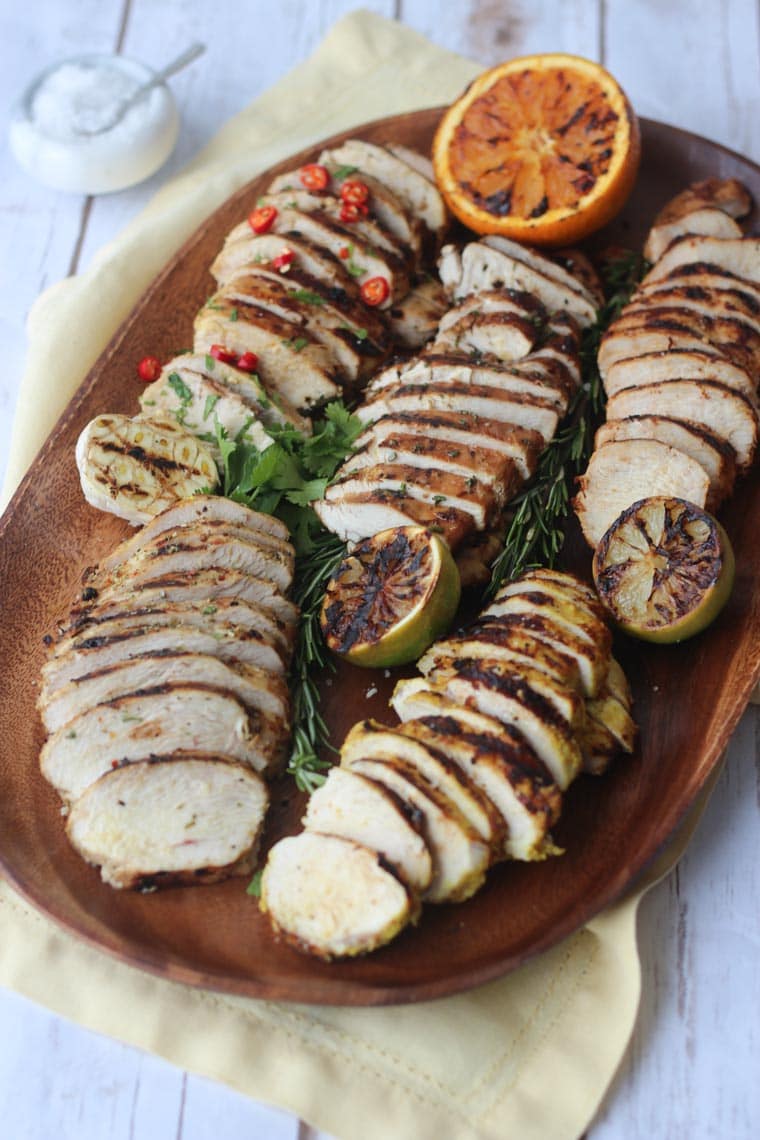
x: 391, y: 597
x: 664, y: 569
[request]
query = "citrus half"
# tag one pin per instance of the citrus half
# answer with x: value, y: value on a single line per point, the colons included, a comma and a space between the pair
x: 391, y: 597
x: 543, y: 149
x: 664, y: 569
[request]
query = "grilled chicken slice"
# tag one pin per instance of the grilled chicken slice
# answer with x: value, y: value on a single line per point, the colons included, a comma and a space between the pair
x: 167, y: 720
x: 102, y: 651
x: 708, y: 221
x: 582, y: 270
x: 353, y: 354
x: 735, y: 304
x: 481, y: 266
x: 208, y: 510
x: 244, y: 248
x: 551, y: 267
x: 268, y: 642
x: 332, y: 897
x: 506, y: 336
x: 174, y: 821
x: 304, y: 374
x: 370, y: 740
x: 201, y: 548
x: 419, y: 162
x: 705, y: 363
x: 714, y: 455
x: 385, y: 207
x: 478, y: 465
x: 609, y: 727
x: 720, y: 410
x: 585, y: 617
x: 402, y: 172
x: 542, y: 627
x: 460, y: 857
x: 506, y: 697
x: 329, y: 209
x: 245, y: 386
x: 461, y: 430
x: 502, y: 405
x: 264, y: 695
x: 202, y: 587
x: 703, y: 282
x: 507, y: 645
x: 507, y: 301
x: 358, y: 516
x: 500, y: 761
x: 199, y: 403
x: 576, y: 590
x: 621, y: 473
x: 136, y: 468
x: 619, y: 344
x: 737, y: 256
x: 540, y: 380
x: 733, y: 337
x: 353, y: 807
x: 433, y: 487
x: 704, y: 208
x: 413, y: 319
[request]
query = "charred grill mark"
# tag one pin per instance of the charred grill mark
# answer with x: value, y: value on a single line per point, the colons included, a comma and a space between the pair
x: 515, y: 688
x: 509, y: 745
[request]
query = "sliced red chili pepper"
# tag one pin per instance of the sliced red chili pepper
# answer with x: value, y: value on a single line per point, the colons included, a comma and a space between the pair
x: 262, y: 219
x: 219, y: 352
x: 375, y: 291
x: 355, y: 192
x: 283, y: 260
x: 149, y: 369
x: 344, y: 252
x: 314, y: 177
x: 248, y: 362
x: 351, y: 212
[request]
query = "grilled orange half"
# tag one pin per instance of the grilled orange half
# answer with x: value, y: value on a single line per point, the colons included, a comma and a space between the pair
x: 543, y: 149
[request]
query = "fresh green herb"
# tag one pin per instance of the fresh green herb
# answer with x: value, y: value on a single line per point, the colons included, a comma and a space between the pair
x: 344, y: 172
x: 148, y: 403
x: 178, y: 385
x: 212, y: 303
x: 129, y: 717
x: 210, y: 609
x: 360, y: 334
x: 297, y: 343
x: 254, y: 887
x: 211, y: 402
x: 71, y: 735
x: 536, y: 532
x: 210, y: 362
x: 438, y: 499
x: 309, y: 297
x: 233, y: 314
x: 353, y: 268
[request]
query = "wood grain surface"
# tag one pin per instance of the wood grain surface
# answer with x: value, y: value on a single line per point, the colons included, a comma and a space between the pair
x: 691, y: 1070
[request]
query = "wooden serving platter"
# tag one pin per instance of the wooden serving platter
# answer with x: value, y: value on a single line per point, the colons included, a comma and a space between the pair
x: 688, y: 698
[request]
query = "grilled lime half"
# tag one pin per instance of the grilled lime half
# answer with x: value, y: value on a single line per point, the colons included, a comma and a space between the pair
x: 391, y: 597
x: 664, y: 569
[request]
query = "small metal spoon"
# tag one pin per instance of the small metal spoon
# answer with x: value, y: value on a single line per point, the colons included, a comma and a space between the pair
x: 172, y: 68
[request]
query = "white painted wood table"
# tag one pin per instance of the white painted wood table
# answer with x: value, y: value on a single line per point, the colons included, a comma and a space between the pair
x: 693, y: 1066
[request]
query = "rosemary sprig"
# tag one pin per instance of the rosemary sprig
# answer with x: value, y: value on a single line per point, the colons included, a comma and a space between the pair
x: 536, y: 531
x: 310, y: 658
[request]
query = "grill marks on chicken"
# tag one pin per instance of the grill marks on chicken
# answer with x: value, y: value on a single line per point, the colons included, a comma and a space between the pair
x: 506, y: 715
x: 460, y: 426
x: 681, y: 364
x: 165, y: 696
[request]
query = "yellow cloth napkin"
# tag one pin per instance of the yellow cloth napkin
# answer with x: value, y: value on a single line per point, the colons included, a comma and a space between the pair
x: 529, y: 1056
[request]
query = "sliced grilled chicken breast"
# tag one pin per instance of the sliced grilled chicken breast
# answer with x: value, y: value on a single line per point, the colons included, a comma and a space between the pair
x: 460, y: 858
x: 575, y: 589
x: 267, y: 642
x: 136, y: 468
x: 721, y: 303
x: 703, y: 282
x: 494, y: 301
x: 158, y: 823
x: 358, y: 516
x: 503, y: 646
x: 461, y: 430
x: 304, y: 374
x: 708, y: 221
x: 264, y: 695
x: 354, y: 807
x: 620, y: 344
x: 704, y: 363
x: 502, y: 763
x: 199, y: 403
x: 528, y: 622
x: 514, y: 702
x: 244, y: 248
x: 370, y: 740
x: 542, y: 263
x: 483, y: 267
x: 583, y: 618
x: 733, y: 337
x: 167, y: 720
x: 332, y: 897
x: 200, y: 509
x: 714, y: 455
x: 538, y: 380
x: 413, y: 319
x: 621, y: 473
x: 408, y: 180
x: 720, y: 410
x: 329, y: 209
x: 738, y: 256
x: 502, y: 405
x: 507, y: 336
